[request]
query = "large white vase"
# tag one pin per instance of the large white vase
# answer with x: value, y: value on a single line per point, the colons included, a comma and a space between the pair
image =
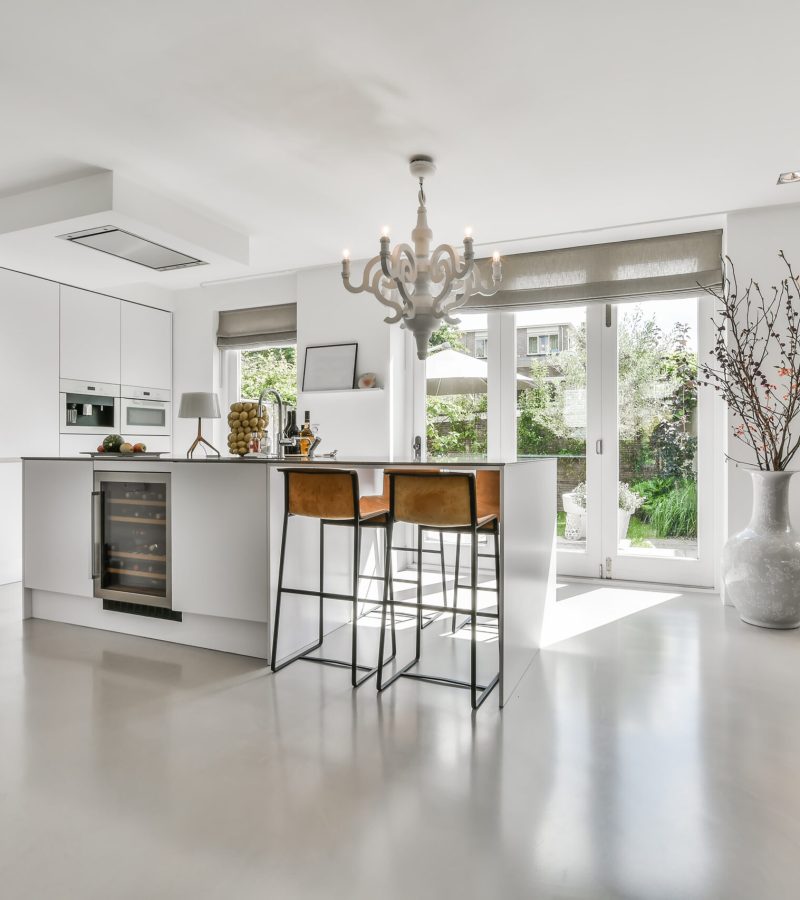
x: 761, y: 564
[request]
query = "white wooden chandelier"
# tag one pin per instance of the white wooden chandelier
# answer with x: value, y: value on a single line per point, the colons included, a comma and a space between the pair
x: 421, y: 288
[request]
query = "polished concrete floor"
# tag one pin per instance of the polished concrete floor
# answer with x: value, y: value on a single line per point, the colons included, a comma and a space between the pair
x: 653, y: 757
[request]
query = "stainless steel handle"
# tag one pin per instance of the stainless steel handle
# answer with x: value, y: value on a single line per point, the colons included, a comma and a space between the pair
x: 97, y: 497
x: 598, y: 446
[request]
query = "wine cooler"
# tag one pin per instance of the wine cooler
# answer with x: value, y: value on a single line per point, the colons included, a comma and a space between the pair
x: 130, y: 538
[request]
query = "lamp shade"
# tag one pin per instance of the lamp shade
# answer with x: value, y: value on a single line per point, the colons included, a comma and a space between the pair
x: 199, y: 405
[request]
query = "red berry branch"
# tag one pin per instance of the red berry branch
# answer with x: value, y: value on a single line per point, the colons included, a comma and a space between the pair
x: 756, y: 360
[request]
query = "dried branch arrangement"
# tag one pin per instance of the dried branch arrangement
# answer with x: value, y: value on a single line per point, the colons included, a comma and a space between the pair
x: 756, y: 364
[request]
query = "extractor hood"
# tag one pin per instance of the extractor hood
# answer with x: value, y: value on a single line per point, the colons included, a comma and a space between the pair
x: 124, y: 245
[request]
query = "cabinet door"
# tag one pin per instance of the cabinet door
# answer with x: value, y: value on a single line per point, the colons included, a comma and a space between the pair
x: 57, y: 526
x: 219, y: 540
x: 90, y: 336
x: 28, y: 365
x: 146, y: 346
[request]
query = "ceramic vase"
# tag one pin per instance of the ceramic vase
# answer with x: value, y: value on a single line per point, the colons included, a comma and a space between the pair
x: 761, y: 564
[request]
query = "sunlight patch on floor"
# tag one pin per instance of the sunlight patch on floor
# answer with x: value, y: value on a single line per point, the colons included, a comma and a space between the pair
x: 581, y: 608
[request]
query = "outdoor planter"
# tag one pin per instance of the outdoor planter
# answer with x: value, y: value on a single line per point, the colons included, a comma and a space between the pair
x: 575, y: 528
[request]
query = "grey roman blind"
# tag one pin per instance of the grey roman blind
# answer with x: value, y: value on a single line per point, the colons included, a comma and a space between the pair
x: 261, y: 326
x: 675, y: 264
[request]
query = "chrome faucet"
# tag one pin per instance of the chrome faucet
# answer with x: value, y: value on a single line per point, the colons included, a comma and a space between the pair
x: 281, y: 441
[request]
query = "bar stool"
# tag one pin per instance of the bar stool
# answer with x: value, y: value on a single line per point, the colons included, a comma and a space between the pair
x: 441, y: 501
x: 380, y: 502
x: 487, y: 489
x: 332, y: 497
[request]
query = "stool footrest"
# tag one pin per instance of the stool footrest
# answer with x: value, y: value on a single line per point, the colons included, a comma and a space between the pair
x: 432, y: 607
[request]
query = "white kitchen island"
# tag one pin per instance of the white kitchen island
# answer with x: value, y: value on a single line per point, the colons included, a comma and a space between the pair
x: 223, y: 526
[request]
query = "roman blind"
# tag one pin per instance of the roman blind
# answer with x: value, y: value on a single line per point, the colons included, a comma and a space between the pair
x: 261, y: 326
x: 675, y: 264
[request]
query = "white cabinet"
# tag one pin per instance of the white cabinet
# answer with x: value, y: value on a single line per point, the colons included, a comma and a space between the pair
x: 28, y: 365
x: 57, y: 526
x: 90, y: 336
x: 219, y: 540
x: 146, y: 347
x: 10, y: 521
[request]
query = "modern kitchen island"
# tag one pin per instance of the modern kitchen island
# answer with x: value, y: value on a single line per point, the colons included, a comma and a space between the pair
x: 186, y: 550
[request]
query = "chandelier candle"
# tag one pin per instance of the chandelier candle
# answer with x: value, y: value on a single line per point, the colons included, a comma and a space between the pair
x: 420, y: 287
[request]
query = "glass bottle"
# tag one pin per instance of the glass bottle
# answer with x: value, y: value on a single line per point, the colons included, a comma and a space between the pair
x: 292, y: 431
x: 306, y: 435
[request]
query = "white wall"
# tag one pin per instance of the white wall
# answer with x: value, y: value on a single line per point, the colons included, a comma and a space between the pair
x: 326, y: 314
x: 753, y: 239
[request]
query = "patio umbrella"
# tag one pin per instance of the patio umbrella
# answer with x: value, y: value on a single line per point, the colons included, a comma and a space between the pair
x: 450, y: 372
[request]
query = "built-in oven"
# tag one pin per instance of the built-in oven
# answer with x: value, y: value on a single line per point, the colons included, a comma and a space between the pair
x: 131, y: 538
x: 145, y: 411
x: 89, y: 407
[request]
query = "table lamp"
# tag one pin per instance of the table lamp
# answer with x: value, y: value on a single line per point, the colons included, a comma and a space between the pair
x: 199, y: 405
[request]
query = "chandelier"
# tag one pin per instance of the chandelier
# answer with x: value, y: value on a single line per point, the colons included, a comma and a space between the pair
x: 420, y: 287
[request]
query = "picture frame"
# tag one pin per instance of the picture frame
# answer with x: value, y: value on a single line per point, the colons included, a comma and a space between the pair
x: 330, y: 367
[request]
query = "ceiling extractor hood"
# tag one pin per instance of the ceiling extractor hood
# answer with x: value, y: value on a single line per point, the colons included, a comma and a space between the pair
x: 124, y: 245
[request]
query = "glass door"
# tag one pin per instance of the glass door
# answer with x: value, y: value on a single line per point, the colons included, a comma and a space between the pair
x: 130, y: 523
x: 557, y: 412
x: 656, y: 432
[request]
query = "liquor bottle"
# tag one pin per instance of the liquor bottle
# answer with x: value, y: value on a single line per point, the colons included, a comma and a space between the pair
x: 292, y: 431
x: 306, y: 435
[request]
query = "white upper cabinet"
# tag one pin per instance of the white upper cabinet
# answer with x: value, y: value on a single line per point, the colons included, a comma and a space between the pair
x: 90, y: 336
x: 28, y: 365
x: 146, y: 347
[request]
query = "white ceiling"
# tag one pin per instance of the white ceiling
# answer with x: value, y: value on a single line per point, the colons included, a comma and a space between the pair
x: 292, y: 122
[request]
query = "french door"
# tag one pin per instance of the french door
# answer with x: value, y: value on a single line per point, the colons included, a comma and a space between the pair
x: 644, y: 508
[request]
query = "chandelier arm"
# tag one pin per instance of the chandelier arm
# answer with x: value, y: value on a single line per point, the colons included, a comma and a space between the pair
x: 408, y: 305
x: 459, y: 271
x: 404, y: 263
x: 366, y: 278
x: 377, y: 289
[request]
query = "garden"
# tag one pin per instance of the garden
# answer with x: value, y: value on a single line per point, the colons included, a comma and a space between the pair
x: 657, y: 391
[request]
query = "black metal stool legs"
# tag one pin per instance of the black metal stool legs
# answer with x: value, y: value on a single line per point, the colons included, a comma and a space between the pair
x: 356, y: 679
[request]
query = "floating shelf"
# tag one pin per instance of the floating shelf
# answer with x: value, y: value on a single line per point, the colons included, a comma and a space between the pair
x: 375, y: 390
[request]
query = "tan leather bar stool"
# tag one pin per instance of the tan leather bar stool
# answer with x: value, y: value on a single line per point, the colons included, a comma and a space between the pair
x: 332, y: 496
x: 381, y: 502
x: 487, y: 489
x: 441, y: 501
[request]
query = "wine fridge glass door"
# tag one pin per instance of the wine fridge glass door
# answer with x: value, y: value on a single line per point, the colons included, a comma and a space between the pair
x: 132, y: 525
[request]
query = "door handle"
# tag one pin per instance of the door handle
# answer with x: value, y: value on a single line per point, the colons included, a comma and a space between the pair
x: 96, y: 501
x: 598, y: 446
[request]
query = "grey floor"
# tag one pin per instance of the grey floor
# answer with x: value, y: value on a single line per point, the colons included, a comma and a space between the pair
x: 654, y: 757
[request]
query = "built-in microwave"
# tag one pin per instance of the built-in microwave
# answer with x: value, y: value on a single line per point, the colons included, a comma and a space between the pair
x: 89, y: 407
x: 145, y: 411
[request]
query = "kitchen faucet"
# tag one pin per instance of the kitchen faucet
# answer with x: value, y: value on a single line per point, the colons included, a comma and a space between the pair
x: 281, y: 441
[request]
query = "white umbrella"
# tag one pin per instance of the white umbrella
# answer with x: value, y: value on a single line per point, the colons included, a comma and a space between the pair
x: 450, y: 372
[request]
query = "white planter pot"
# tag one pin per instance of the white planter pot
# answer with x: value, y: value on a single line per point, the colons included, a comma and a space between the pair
x: 575, y: 527
x: 623, y: 520
x: 761, y: 564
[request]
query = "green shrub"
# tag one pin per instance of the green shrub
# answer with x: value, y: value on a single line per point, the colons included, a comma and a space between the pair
x: 674, y: 514
x: 653, y: 490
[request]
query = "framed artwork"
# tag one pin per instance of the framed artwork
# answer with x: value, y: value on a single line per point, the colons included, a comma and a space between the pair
x: 330, y: 367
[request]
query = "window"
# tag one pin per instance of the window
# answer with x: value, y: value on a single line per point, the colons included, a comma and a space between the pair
x: 540, y: 344
x: 270, y: 367
x: 481, y: 343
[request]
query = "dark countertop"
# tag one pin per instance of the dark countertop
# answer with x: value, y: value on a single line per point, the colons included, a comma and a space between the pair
x: 351, y: 461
